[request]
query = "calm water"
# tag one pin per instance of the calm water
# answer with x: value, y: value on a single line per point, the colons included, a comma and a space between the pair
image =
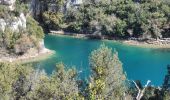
x: 138, y: 63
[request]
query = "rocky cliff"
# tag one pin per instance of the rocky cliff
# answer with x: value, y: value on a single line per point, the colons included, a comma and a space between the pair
x: 14, y: 22
x: 20, y: 34
x: 38, y: 6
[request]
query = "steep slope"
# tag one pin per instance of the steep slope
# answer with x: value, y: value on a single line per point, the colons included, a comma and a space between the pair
x: 20, y: 35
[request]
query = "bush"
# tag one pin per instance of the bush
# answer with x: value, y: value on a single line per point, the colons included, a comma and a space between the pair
x: 23, y: 44
x: 52, y: 20
x: 3, y: 11
x: 33, y: 28
x: 9, y: 38
x: 74, y: 27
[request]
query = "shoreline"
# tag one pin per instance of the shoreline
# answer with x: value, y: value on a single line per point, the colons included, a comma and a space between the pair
x: 143, y: 44
x: 155, y: 45
x: 26, y: 58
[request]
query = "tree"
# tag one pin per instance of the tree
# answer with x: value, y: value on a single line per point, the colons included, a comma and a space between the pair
x: 21, y: 82
x: 9, y: 73
x: 33, y: 28
x: 9, y: 38
x: 52, y: 19
x: 108, y: 79
x: 61, y: 85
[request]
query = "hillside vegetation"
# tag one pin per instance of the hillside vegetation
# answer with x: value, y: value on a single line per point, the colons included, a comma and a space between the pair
x: 19, y: 31
x: 116, y: 18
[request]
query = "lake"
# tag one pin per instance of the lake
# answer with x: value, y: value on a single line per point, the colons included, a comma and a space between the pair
x: 138, y: 63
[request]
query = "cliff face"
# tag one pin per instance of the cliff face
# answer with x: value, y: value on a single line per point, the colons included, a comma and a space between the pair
x: 38, y: 6
x: 19, y: 32
x: 14, y: 23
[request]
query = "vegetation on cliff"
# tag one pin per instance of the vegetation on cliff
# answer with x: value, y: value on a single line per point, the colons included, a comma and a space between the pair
x: 19, y: 31
x: 118, y: 18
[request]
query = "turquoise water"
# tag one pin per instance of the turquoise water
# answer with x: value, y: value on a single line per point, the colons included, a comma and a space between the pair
x: 138, y: 63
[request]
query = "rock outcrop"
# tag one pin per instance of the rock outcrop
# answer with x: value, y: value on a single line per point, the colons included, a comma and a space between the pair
x: 37, y: 6
x: 9, y: 3
x: 14, y: 23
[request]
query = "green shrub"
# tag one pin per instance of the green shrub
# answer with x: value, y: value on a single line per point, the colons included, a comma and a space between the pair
x: 23, y: 44
x: 52, y: 20
x: 33, y: 28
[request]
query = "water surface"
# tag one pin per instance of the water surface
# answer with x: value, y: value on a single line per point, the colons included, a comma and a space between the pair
x: 138, y: 63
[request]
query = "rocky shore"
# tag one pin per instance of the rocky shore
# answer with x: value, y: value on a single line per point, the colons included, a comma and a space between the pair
x: 31, y: 55
x: 149, y: 43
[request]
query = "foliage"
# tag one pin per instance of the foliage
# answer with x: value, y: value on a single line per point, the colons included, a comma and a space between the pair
x: 61, y: 85
x: 52, y: 16
x: 23, y: 44
x: 9, y: 73
x: 3, y: 11
x: 22, y: 82
x: 33, y: 28
x: 116, y: 18
x: 20, y: 40
x: 9, y: 38
x: 52, y: 20
x: 108, y: 82
x: 21, y: 6
x: 108, y: 79
x: 141, y: 19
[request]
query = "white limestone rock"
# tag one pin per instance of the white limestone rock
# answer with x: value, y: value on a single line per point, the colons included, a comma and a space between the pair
x: 9, y: 3
x: 15, y: 24
x: 77, y: 2
x: 23, y: 21
x: 2, y: 25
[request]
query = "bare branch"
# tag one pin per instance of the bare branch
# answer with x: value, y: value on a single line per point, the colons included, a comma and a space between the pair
x: 136, y: 85
x: 141, y: 92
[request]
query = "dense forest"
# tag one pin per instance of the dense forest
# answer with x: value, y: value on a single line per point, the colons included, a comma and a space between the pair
x: 115, y: 18
x: 107, y: 82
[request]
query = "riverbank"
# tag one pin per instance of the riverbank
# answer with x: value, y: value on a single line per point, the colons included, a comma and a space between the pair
x: 148, y: 44
x: 152, y: 43
x: 31, y: 56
